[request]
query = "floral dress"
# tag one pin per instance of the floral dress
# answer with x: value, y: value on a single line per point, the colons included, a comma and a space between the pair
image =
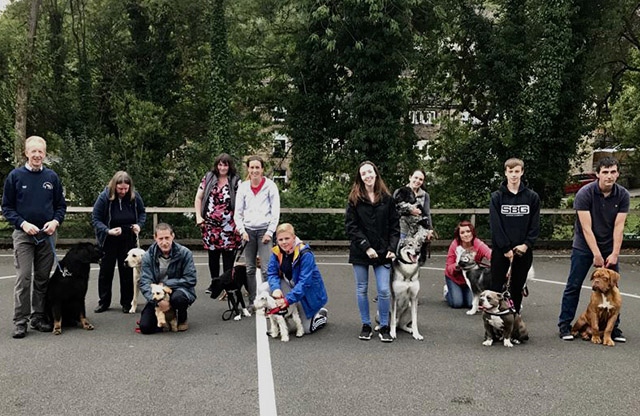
x: 219, y: 231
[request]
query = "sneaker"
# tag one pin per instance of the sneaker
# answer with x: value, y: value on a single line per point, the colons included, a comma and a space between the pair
x: 445, y: 292
x: 209, y: 289
x: 617, y: 336
x: 183, y: 327
x: 20, y: 331
x: 324, y: 312
x: 384, y: 334
x: 41, y: 325
x: 565, y: 333
x: 366, y: 332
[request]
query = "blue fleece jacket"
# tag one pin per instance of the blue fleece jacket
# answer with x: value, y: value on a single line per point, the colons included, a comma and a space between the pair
x: 35, y: 197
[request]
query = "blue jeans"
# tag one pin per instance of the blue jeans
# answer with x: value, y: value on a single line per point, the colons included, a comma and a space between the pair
x: 255, y: 247
x: 458, y: 296
x: 383, y: 283
x: 581, y: 262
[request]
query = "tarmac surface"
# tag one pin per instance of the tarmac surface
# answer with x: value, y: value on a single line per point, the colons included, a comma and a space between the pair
x: 230, y: 368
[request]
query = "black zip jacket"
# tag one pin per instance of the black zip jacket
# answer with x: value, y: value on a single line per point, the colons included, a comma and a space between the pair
x: 372, y: 225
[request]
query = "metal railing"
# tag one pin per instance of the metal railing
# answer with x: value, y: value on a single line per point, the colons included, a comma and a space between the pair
x: 472, y: 213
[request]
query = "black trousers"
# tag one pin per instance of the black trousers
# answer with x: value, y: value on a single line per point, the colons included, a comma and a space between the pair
x: 115, y: 251
x: 228, y: 257
x: 519, y: 271
x: 148, y: 321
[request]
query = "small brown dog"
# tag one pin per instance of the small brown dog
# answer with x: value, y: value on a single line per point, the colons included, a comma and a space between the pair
x: 598, y: 320
x: 166, y: 320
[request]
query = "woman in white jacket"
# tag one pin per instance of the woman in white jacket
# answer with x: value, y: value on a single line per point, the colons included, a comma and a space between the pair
x: 256, y: 215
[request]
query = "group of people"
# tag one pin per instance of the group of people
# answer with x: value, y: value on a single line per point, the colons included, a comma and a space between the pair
x: 375, y: 228
x: 601, y: 208
x: 243, y: 215
x: 230, y: 213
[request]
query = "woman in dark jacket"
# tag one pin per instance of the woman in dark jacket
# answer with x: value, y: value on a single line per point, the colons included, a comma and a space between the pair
x: 118, y: 216
x: 372, y: 224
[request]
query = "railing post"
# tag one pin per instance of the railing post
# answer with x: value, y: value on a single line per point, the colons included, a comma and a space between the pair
x: 473, y: 220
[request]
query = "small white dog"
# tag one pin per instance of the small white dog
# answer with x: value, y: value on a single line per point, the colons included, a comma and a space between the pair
x: 278, y: 323
x: 134, y: 260
x: 166, y: 319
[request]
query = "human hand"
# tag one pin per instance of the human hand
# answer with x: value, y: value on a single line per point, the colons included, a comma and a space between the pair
x: 164, y: 305
x: 612, y: 260
x: 391, y: 255
x: 520, y: 249
x: 199, y: 220
x: 50, y: 227
x: 135, y: 228
x: 282, y: 303
x: 598, y: 260
x: 29, y: 228
x: 416, y: 211
x: 266, y: 239
x: 277, y: 294
x: 372, y: 253
x: 115, y: 231
x: 509, y: 254
x: 245, y: 236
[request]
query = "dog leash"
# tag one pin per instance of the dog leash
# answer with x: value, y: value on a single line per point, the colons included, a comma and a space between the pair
x: 240, y: 251
x: 53, y: 249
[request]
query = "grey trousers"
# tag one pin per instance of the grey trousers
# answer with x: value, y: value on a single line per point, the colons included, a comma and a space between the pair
x: 33, y: 260
x: 255, y: 247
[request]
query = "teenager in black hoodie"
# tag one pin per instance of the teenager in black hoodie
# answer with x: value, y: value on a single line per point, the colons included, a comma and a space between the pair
x: 514, y: 214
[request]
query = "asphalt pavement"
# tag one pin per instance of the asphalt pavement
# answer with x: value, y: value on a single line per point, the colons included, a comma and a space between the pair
x: 229, y: 368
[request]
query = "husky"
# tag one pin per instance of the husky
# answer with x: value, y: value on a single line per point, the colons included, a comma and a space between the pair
x: 404, y: 289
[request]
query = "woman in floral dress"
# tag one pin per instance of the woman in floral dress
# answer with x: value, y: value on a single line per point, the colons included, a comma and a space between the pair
x: 214, y: 205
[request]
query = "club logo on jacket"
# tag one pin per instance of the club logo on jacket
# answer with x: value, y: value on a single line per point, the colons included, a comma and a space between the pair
x: 515, y: 210
x: 48, y: 186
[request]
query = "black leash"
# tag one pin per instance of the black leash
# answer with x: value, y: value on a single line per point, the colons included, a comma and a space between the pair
x: 228, y: 314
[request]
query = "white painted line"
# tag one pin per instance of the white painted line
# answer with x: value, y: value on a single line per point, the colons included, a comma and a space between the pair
x: 266, y: 390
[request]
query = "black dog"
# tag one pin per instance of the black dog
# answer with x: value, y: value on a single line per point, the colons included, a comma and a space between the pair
x: 68, y: 287
x: 232, y: 282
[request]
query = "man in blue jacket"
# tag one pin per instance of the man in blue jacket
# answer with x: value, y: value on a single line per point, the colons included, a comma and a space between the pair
x: 170, y: 264
x: 33, y: 202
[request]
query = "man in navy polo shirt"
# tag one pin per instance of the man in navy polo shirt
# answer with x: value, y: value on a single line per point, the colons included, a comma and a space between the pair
x: 33, y: 202
x: 602, y: 208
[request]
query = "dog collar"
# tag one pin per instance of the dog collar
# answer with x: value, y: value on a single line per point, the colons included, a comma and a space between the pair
x: 505, y: 312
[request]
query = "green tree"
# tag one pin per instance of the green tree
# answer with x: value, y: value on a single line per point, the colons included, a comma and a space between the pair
x: 348, y: 104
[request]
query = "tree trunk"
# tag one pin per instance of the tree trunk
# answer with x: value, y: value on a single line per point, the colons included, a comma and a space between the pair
x: 22, y: 94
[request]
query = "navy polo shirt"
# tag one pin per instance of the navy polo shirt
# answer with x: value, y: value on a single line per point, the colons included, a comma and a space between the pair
x: 603, y: 210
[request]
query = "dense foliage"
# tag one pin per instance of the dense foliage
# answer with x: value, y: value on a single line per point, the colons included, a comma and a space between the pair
x: 160, y: 87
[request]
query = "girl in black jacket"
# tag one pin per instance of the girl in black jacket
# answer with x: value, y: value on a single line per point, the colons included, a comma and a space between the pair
x: 372, y: 224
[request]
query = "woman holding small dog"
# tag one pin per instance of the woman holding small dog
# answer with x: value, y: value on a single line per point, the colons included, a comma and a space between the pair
x: 417, y: 214
x: 456, y: 291
x: 214, y: 205
x: 372, y: 224
x: 118, y: 216
x: 294, y: 278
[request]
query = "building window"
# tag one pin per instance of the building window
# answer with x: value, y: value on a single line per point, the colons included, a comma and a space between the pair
x: 280, y: 178
x: 279, y: 145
